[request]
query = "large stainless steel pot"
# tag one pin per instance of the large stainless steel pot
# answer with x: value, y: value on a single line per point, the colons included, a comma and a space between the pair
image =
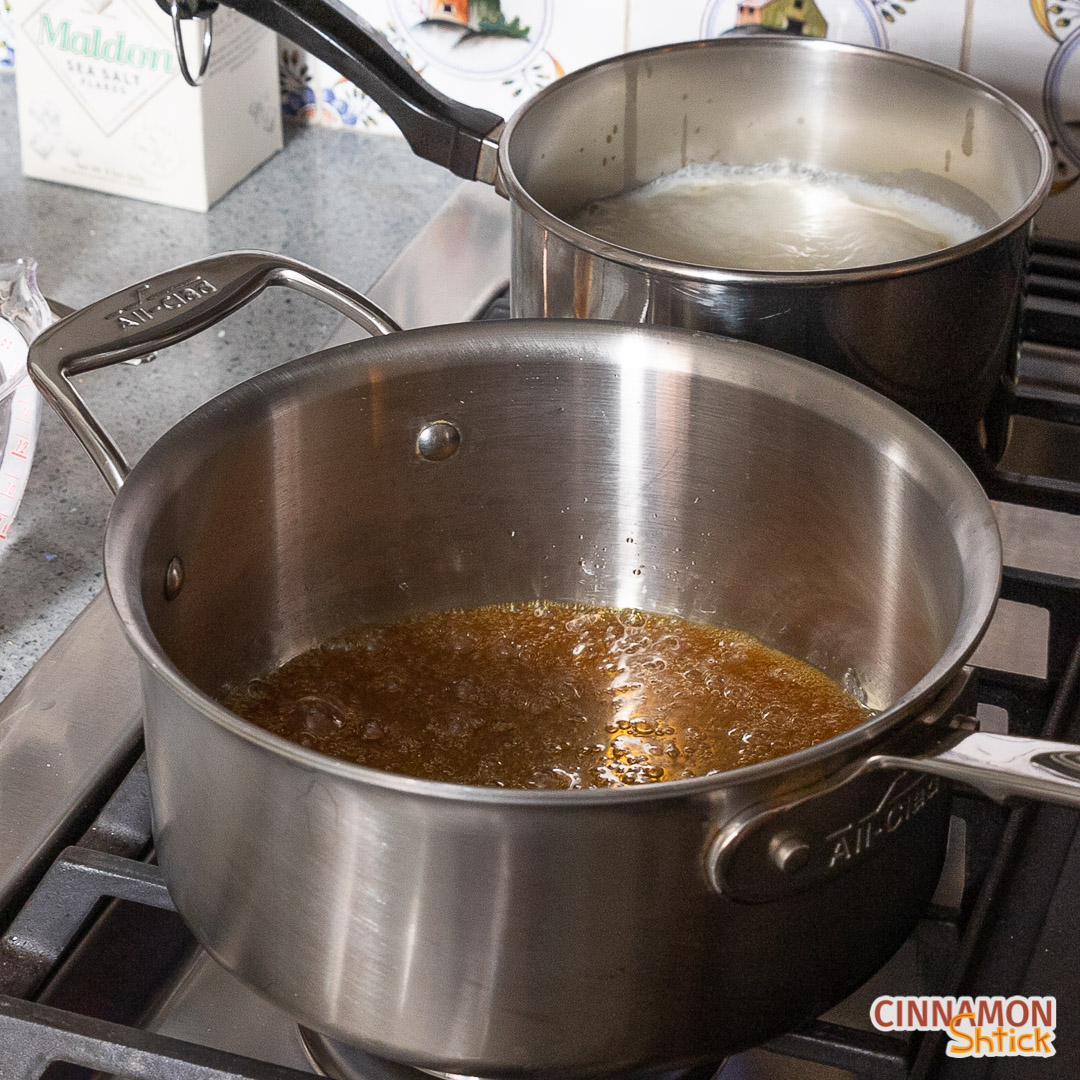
x: 495, y: 932
x: 937, y: 334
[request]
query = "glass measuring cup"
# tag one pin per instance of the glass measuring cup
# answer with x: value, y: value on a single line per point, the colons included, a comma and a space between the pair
x: 24, y: 313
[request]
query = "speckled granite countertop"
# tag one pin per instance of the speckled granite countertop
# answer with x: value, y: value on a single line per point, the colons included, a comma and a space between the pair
x: 344, y: 202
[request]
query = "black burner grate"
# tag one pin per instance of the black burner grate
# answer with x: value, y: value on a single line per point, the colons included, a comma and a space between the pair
x: 1052, y: 304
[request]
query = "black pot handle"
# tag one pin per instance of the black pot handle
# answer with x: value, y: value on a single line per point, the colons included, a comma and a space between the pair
x: 459, y: 137
x: 162, y: 311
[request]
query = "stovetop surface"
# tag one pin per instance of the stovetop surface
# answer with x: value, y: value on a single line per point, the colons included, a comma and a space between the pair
x: 129, y: 991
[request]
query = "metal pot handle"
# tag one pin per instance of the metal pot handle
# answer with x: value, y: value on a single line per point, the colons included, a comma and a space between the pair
x: 806, y: 837
x: 459, y: 137
x: 1002, y: 767
x: 162, y: 311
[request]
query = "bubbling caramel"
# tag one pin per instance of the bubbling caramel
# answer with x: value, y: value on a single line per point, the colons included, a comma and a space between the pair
x: 544, y: 695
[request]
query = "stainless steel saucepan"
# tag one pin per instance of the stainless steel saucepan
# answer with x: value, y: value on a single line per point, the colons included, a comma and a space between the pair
x: 937, y: 334
x: 497, y: 932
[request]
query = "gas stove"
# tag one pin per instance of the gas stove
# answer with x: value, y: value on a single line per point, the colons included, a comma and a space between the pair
x: 99, y: 976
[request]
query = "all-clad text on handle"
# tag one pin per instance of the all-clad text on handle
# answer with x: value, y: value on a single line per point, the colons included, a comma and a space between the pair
x: 163, y: 311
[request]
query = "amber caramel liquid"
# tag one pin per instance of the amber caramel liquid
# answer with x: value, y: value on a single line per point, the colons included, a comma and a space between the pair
x: 543, y: 695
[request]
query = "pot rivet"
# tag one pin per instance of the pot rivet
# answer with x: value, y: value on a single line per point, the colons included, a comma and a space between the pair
x: 438, y: 441
x: 174, y: 578
x: 789, y: 853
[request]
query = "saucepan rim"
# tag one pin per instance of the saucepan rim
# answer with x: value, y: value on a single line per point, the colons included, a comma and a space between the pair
x: 751, y: 366
x: 520, y: 196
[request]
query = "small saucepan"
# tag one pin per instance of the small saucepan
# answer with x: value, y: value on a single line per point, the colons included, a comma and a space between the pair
x: 495, y: 932
x: 937, y: 333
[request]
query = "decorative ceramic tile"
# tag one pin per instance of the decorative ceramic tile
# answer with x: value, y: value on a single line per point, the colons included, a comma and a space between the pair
x: 650, y: 23
x: 1031, y: 50
x: 490, y: 53
x: 313, y: 92
x: 930, y: 29
x: 1012, y: 45
x: 7, y: 36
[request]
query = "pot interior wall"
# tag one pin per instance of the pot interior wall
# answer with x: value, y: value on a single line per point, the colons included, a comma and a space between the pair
x: 754, y: 101
x: 665, y: 470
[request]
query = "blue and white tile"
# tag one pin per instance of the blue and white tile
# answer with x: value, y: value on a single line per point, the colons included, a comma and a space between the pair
x: 7, y: 36
x: 493, y: 61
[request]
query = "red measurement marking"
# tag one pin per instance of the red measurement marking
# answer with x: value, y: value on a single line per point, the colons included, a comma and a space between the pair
x: 9, y: 489
x: 23, y: 412
x: 22, y: 447
x: 5, y: 524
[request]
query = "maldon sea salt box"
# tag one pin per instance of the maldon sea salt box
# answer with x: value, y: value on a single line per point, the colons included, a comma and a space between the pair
x: 103, y: 104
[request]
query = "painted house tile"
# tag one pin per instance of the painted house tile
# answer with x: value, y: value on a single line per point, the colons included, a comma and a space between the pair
x: 494, y: 54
